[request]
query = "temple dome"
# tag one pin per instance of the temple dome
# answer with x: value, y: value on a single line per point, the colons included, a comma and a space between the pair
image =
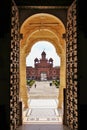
x: 43, y: 53
x: 36, y: 59
x: 51, y: 59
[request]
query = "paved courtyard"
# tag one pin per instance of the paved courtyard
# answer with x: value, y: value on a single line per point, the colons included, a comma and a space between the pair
x: 43, y: 103
x: 43, y: 90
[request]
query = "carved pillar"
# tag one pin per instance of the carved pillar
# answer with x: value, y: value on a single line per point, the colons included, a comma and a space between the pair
x: 62, y: 81
x: 23, y: 89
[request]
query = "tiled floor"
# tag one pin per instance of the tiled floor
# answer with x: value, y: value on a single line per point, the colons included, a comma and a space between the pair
x: 44, y: 116
x: 42, y: 110
x: 39, y: 117
x: 42, y: 113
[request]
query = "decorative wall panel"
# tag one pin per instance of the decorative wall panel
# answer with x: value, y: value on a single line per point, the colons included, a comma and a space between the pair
x: 71, y: 69
x: 14, y: 69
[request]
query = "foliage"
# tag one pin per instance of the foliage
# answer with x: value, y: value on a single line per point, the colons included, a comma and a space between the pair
x: 56, y: 83
x: 30, y: 82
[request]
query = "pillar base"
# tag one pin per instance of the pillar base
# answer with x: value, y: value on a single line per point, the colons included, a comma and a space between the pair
x: 60, y: 107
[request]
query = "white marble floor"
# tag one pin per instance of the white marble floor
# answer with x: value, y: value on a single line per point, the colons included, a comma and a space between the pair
x: 42, y: 111
x: 43, y: 103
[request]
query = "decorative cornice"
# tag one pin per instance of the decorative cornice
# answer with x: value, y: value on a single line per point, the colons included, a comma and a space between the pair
x: 43, y: 7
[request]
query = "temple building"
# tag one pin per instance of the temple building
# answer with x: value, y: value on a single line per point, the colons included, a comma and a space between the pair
x: 43, y: 69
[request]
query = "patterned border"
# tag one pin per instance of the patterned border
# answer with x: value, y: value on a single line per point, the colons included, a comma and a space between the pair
x: 71, y: 69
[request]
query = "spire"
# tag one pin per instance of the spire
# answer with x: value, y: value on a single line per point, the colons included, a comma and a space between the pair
x: 43, y: 55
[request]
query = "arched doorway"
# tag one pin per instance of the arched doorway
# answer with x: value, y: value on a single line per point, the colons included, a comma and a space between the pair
x: 38, y: 27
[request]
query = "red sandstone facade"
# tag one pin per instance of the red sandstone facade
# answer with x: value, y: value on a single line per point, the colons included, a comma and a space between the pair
x: 43, y: 69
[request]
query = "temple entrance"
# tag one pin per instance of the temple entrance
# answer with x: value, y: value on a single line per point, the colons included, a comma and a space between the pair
x: 43, y: 76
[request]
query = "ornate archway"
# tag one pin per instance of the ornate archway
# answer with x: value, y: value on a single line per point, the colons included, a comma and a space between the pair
x: 36, y: 28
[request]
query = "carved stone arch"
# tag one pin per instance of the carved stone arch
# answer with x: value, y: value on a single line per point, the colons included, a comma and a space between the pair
x: 55, y: 29
x: 43, y: 35
x: 42, y: 21
x: 49, y: 40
